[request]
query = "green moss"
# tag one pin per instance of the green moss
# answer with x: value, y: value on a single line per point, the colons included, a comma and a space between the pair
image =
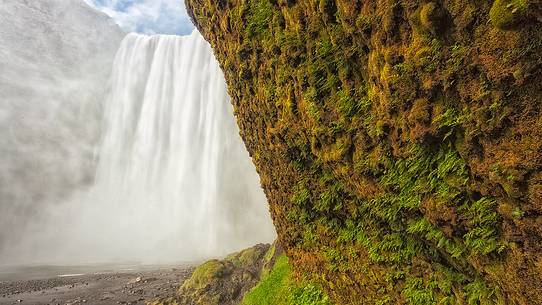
x: 508, y: 14
x: 518, y: 213
x: 448, y: 120
x: 280, y: 288
x: 260, y: 14
x: 352, y: 103
x: 441, y: 173
x: 417, y: 293
x: 314, y: 112
x: 246, y: 257
x: 375, y: 126
x: 309, y: 294
x: 204, y: 275
x: 431, y: 233
x: 273, y: 289
x: 301, y: 194
x: 440, y: 288
x: 330, y: 199
x: 479, y: 293
x: 482, y: 215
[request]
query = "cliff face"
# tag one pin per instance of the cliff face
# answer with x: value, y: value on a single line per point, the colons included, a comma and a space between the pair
x: 399, y: 142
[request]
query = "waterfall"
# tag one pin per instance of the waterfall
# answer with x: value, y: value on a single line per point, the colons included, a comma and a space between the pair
x: 171, y: 137
x: 174, y: 180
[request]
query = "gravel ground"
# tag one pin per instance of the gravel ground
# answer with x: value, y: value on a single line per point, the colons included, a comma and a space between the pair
x: 101, y: 289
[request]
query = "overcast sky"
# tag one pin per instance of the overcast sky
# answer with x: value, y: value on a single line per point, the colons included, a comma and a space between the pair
x: 147, y: 16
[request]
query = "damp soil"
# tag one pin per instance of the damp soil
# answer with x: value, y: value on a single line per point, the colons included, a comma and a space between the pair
x: 130, y: 287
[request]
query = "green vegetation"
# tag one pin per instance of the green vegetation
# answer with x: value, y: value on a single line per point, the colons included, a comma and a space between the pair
x: 204, y: 275
x: 397, y: 142
x: 259, y: 16
x: 507, y: 14
x: 308, y: 295
x: 246, y: 257
x: 280, y: 288
x: 416, y: 292
x: 223, y: 282
x: 272, y: 289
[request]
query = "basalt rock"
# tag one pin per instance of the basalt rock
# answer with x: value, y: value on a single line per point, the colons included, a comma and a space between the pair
x: 399, y: 143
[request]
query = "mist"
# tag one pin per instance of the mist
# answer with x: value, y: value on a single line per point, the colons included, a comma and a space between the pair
x: 101, y: 160
x: 55, y: 62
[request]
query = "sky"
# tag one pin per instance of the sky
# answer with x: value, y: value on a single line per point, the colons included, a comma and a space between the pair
x: 147, y: 16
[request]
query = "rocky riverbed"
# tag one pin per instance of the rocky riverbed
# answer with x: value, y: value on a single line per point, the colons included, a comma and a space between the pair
x: 126, y: 287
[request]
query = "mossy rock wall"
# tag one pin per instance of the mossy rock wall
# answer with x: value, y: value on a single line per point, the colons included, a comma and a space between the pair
x: 399, y: 143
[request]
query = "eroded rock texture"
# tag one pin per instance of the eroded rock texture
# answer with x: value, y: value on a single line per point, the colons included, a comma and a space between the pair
x: 399, y: 142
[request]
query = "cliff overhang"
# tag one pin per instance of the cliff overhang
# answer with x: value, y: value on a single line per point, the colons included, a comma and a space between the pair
x: 399, y: 143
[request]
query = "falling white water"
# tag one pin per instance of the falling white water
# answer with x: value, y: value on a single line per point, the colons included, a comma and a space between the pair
x: 174, y: 181
x: 172, y: 147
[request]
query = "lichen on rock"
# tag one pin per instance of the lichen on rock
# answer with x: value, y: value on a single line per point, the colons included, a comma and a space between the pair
x: 399, y: 143
x: 221, y: 282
